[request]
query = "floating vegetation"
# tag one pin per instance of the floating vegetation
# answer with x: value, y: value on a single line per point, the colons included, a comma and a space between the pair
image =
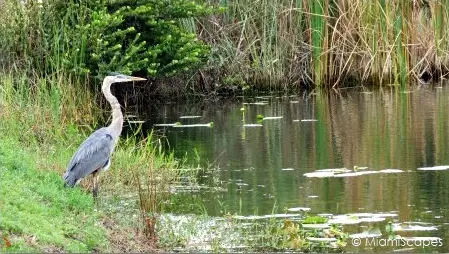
x: 316, y: 226
x: 210, y: 125
x: 334, y: 170
x: 344, y: 220
x: 268, y: 216
x: 272, y: 117
x: 166, y: 124
x: 264, y: 97
x: 421, y: 238
x: 294, y: 237
x: 344, y: 172
x: 189, y: 117
x: 299, y: 209
x: 320, y: 174
x: 391, y: 170
x: 356, y: 173
x: 373, y: 215
x: 413, y: 226
x: 372, y: 219
x: 357, y: 168
x: 305, y: 120
x: 253, y: 125
x: 445, y: 167
x: 256, y: 103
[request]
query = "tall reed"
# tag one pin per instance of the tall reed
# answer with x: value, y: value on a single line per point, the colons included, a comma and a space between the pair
x: 286, y: 43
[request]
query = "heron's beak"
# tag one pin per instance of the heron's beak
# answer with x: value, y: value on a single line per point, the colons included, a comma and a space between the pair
x: 131, y: 78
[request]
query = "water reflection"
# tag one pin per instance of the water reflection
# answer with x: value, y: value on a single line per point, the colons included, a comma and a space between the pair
x: 383, y: 129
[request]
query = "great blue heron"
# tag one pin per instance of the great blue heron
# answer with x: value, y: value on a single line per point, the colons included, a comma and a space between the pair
x: 94, y: 154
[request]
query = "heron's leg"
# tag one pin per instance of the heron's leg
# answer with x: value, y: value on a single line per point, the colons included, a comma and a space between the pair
x: 95, y: 176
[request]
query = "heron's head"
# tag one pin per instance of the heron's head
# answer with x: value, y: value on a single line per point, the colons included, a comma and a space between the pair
x: 119, y: 78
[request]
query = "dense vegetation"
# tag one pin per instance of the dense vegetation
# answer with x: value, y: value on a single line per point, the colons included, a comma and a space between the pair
x: 202, y: 47
x: 285, y: 44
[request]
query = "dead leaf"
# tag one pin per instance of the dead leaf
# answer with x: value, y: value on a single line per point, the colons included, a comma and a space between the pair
x: 7, y: 242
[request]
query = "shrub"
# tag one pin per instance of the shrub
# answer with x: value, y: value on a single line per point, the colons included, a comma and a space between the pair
x: 96, y: 37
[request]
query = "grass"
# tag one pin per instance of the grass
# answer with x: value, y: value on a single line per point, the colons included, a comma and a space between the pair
x: 38, y: 213
x: 40, y: 129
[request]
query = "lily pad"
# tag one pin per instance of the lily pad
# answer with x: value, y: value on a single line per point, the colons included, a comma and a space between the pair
x: 252, y: 125
x: 299, y: 209
x: 319, y: 174
x: 344, y: 220
x: 316, y: 226
x: 189, y: 117
x: 356, y: 173
x: 372, y: 219
x: 136, y: 121
x: 360, y: 168
x: 272, y: 117
x: 391, y: 170
x: 210, y: 125
x: 348, y: 174
x: 413, y: 226
x: 282, y: 215
x: 377, y: 215
x: 445, y: 167
x: 165, y: 124
x: 421, y: 238
x: 334, y: 170
x: 385, y: 215
x: 322, y: 239
x: 251, y: 217
x: 256, y: 103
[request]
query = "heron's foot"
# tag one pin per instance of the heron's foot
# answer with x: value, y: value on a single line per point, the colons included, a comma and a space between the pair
x: 95, y: 192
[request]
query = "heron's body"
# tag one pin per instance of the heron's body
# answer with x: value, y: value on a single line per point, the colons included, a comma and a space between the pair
x: 94, y: 154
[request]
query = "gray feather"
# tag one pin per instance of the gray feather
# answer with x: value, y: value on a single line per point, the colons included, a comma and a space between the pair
x: 93, y: 154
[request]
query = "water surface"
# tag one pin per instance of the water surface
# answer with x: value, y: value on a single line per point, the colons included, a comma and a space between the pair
x: 261, y: 168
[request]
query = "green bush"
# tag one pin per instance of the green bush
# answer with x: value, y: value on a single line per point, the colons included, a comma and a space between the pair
x: 96, y: 37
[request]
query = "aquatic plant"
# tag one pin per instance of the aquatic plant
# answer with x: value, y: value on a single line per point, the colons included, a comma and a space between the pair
x: 280, y: 45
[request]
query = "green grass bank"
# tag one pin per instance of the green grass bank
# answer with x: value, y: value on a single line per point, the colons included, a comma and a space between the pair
x: 40, y: 129
x: 38, y: 214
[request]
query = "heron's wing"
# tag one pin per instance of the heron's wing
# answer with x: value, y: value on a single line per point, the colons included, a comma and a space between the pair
x: 92, y: 154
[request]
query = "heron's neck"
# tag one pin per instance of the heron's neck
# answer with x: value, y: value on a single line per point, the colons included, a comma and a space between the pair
x: 117, y: 117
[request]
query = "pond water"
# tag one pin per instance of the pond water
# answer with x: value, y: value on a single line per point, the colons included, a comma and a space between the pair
x: 262, y: 165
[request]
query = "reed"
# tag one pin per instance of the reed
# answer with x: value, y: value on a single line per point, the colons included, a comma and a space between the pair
x: 328, y: 42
